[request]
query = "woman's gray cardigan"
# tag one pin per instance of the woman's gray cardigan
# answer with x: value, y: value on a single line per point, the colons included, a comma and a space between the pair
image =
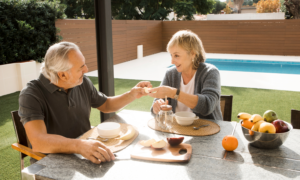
x: 207, y: 88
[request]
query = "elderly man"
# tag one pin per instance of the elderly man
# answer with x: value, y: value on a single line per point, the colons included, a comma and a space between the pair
x: 55, y: 108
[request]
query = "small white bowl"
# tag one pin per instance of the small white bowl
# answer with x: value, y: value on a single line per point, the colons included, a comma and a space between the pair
x: 109, y: 129
x: 185, y: 118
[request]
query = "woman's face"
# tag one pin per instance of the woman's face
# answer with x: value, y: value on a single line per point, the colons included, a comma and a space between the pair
x: 181, y: 59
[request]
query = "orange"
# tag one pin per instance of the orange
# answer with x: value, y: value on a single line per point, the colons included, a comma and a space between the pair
x: 247, y: 124
x: 251, y: 132
x: 230, y: 143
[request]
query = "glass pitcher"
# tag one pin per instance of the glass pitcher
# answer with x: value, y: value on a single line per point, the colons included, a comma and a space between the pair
x: 164, y: 119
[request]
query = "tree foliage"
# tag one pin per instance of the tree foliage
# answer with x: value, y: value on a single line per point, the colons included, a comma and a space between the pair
x: 184, y: 10
x: 159, y: 10
x: 218, y: 7
x: 282, y: 6
x: 293, y: 8
x: 268, y: 6
x: 79, y: 8
x: 249, y: 3
x: 141, y: 9
x: 27, y: 29
x: 227, y: 9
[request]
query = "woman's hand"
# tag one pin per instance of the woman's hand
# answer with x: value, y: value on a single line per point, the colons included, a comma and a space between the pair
x: 157, y: 104
x: 162, y: 92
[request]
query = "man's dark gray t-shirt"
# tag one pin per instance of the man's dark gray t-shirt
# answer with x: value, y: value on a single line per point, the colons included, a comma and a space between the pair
x: 65, y: 114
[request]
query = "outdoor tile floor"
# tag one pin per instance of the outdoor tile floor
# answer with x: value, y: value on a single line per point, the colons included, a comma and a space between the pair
x: 153, y: 68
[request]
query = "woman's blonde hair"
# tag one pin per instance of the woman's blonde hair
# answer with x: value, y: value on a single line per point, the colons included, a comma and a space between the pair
x: 56, y: 60
x: 190, y: 42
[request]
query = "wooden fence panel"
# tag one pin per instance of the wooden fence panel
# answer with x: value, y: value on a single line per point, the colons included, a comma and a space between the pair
x: 126, y: 36
x: 265, y: 37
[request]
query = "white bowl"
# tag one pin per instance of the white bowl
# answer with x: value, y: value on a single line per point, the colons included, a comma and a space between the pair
x: 109, y: 129
x: 185, y: 118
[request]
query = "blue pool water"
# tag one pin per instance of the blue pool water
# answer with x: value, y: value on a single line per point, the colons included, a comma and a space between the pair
x: 283, y: 67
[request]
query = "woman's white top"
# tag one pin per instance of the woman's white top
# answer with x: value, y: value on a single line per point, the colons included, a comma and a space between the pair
x: 189, y: 89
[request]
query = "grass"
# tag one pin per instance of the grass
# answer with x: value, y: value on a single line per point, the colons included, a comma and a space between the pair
x: 253, y: 101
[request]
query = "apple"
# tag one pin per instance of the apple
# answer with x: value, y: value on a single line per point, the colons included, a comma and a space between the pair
x: 147, y: 143
x: 159, y: 144
x: 270, y: 116
x: 266, y: 127
x: 280, y: 126
x: 174, y: 141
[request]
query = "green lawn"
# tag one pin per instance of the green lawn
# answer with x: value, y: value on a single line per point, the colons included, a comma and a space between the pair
x: 253, y: 101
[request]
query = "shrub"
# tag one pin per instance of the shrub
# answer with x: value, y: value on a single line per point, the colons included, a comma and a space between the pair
x: 27, y: 29
x: 268, y: 6
x: 227, y: 9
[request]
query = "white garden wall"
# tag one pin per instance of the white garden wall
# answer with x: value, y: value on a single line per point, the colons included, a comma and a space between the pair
x: 15, y: 76
x: 248, y: 16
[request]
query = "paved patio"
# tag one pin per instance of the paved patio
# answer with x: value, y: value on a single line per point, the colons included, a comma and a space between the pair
x: 153, y: 68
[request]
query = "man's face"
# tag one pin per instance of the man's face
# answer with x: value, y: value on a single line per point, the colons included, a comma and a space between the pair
x: 78, y: 68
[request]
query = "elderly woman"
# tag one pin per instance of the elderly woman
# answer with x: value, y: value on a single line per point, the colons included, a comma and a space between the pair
x: 191, y: 85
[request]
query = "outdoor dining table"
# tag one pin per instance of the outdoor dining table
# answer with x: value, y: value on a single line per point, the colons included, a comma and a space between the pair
x: 209, y: 160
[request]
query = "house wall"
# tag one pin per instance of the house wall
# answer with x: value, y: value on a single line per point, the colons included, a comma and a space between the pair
x: 15, y: 76
x: 246, y: 11
x: 247, y: 16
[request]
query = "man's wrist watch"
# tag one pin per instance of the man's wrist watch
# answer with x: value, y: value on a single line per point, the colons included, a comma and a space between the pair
x: 177, y: 94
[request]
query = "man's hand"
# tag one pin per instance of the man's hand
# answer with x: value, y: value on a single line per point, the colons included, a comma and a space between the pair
x: 138, y: 91
x: 95, y: 151
x: 144, y: 84
x: 115, y: 103
x: 157, y: 104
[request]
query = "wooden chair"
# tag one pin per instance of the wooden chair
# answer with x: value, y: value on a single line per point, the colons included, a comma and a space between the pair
x: 23, y: 145
x: 295, y: 118
x: 226, y: 106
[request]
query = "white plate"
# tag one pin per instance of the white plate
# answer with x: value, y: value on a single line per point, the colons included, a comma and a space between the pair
x: 109, y: 136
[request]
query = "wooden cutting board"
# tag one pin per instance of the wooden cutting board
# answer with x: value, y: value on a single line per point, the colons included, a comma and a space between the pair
x: 167, y: 154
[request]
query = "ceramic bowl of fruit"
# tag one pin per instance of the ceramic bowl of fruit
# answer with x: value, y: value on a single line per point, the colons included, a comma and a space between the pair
x: 266, y: 140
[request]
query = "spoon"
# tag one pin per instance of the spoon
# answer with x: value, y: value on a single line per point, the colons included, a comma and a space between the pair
x: 196, y: 128
x: 103, y: 140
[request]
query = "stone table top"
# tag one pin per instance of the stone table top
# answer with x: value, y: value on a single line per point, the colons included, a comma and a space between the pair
x: 209, y: 159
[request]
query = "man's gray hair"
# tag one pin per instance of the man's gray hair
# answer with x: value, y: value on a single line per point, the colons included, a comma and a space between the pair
x: 56, y: 60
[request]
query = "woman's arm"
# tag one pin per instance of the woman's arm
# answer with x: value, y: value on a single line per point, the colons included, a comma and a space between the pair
x: 205, y: 99
x: 209, y: 95
x: 157, y: 102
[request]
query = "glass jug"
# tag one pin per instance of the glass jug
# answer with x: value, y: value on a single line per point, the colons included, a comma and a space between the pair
x: 164, y: 119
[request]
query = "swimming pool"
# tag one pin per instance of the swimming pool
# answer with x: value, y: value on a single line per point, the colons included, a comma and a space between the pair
x: 284, y: 67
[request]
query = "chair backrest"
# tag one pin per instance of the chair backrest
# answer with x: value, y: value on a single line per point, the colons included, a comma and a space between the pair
x: 226, y: 106
x: 20, y: 131
x: 295, y: 118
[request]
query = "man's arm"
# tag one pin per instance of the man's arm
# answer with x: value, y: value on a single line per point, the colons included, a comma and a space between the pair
x: 115, y: 103
x: 43, y: 142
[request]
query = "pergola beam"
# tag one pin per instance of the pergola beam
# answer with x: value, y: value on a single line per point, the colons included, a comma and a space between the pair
x: 104, y: 50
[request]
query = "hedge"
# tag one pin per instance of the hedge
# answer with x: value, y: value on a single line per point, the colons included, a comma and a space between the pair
x: 27, y: 29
